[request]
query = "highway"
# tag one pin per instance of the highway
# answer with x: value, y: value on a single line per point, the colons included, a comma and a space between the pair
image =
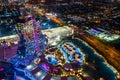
x: 109, y: 52
x: 42, y: 13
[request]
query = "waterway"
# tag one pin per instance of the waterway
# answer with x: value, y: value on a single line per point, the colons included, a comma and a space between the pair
x: 102, y: 68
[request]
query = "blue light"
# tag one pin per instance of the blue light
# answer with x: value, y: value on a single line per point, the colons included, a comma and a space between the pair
x: 51, y: 59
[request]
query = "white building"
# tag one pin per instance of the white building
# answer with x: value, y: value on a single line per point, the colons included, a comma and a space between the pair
x: 54, y: 35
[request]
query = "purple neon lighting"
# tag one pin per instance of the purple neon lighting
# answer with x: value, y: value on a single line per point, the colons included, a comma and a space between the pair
x: 1, y: 69
x: 55, y: 69
x: 46, y: 67
x: 36, y: 35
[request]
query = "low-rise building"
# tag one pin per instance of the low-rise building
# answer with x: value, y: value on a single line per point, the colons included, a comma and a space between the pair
x: 54, y: 35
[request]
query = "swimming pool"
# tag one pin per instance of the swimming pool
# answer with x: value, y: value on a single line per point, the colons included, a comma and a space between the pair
x: 69, y: 55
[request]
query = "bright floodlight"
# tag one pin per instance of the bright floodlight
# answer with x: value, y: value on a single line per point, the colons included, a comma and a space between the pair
x: 38, y: 74
x: 29, y: 67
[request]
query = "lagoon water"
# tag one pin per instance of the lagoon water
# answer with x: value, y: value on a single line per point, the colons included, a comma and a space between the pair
x: 103, y: 69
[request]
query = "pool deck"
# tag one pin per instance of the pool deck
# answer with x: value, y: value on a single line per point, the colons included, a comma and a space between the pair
x: 74, y: 53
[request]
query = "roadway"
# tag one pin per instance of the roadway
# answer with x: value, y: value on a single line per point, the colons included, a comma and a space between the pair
x: 42, y: 13
x: 109, y: 52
